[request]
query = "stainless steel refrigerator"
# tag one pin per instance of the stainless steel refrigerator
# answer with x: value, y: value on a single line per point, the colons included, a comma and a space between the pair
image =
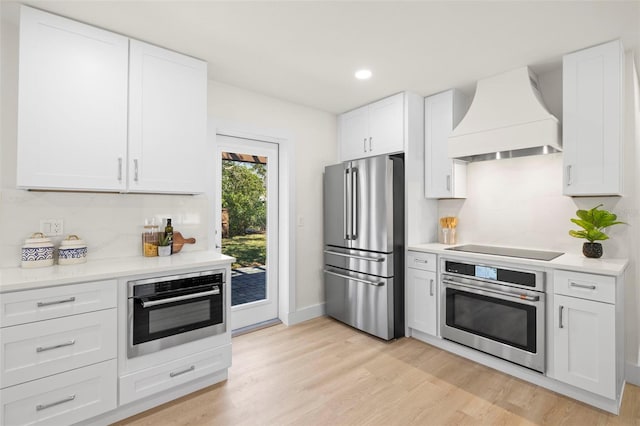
x: 364, y: 244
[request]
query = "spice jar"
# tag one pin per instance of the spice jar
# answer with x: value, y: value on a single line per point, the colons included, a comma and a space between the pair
x: 150, y: 241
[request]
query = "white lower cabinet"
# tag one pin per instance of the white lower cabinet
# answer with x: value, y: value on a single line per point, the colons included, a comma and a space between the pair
x: 44, y: 348
x: 166, y: 376
x: 586, y: 332
x: 422, y: 293
x: 61, y: 399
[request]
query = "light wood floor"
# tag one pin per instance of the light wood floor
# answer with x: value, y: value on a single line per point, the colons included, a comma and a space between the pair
x: 322, y: 372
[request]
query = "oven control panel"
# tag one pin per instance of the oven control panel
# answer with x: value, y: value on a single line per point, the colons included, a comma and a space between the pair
x: 524, y: 278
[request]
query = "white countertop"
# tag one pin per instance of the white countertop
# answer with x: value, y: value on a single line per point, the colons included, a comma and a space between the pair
x: 15, y: 279
x: 573, y: 262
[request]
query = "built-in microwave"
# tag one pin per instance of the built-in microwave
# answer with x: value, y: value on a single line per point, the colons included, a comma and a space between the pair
x: 172, y: 310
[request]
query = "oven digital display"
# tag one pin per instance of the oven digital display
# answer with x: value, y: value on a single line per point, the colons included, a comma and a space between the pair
x: 486, y: 272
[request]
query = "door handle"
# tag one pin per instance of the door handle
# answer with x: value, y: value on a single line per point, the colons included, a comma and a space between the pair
x: 354, y: 203
x: 374, y: 283
x: 370, y: 145
x: 346, y: 217
x: 135, y: 169
x: 120, y: 168
x: 569, y: 175
x: 150, y: 303
x: 353, y: 256
x: 364, y: 145
x: 431, y: 287
x: 448, y: 182
x: 560, y: 316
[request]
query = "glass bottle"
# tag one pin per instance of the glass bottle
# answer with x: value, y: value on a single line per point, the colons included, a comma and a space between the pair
x: 168, y: 232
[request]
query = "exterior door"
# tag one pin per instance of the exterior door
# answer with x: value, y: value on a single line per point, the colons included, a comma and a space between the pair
x: 247, y: 206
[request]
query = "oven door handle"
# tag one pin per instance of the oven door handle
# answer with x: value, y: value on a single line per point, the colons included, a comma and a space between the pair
x: 150, y: 303
x: 519, y: 296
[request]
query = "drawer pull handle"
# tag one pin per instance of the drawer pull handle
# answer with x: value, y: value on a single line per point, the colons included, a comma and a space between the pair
x: 61, y: 345
x: 56, y: 302
x: 177, y: 373
x: 41, y: 407
x: 588, y: 287
x: 425, y: 261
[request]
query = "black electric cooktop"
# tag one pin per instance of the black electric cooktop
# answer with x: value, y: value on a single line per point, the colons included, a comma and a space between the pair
x: 506, y: 251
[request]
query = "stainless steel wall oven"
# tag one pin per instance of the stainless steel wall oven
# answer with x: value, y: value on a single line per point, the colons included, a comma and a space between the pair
x: 495, y: 309
x: 172, y: 310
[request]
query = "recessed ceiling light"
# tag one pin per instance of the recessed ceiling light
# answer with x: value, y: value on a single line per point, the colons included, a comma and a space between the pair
x: 363, y: 74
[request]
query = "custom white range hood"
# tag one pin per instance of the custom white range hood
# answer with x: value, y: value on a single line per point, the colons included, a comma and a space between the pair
x: 507, y: 119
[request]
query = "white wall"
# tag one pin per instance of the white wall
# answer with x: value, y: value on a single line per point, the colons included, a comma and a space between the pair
x: 111, y: 223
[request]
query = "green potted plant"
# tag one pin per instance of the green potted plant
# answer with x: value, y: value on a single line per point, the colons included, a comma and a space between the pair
x: 593, y: 222
x: 164, y: 247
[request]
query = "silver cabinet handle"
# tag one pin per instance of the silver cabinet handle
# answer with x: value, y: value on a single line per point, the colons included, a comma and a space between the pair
x: 135, y: 169
x: 178, y: 373
x: 377, y: 284
x: 41, y: 407
x: 120, y: 168
x: 431, y: 287
x: 148, y: 304
x: 425, y: 261
x: 560, y: 317
x: 448, y: 182
x: 569, y: 175
x: 364, y: 144
x: 61, y: 345
x: 56, y: 302
x: 588, y: 287
x: 370, y: 259
x: 370, y: 145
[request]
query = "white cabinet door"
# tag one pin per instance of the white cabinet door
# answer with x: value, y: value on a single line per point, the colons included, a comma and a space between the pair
x: 168, y: 120
x: 444, y: 177
x: 592, y: 131
x: 72, y: 106
x: 421, y: 301
x: 354, y: 134
x: 386, y: 126
x: 585, y: 344
x: 373, y: 129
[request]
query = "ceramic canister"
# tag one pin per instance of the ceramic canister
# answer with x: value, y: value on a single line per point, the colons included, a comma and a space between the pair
x: 37, y: 251
x: 72, y: 250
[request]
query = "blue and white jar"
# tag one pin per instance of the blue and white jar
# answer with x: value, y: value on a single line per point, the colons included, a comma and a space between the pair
x: 72, y: 250
x: 37, y: 251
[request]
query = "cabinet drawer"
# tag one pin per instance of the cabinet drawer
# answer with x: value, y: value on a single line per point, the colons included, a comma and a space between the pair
x: 165, y: 376
x: 600, y: 288
x: 62, y: 399
x: 53, y: 302
x: 419, y: 260
x: 31, y: 351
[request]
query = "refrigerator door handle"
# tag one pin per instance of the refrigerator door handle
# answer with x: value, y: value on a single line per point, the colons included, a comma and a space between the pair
x: 346, y: 206
x: 354, y: 203
x: 374, y: 283
x: 353, y: 256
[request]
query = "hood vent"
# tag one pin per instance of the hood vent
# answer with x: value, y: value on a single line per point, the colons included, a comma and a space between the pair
x: 507, y: 119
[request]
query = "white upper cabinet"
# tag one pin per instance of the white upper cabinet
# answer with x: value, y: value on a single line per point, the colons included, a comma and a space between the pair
x: 593, y: 97
x: 100, y: 112
x: 168, y: 121
x: 373, y: 129
x: 444, y: 177
x: 72, y: 106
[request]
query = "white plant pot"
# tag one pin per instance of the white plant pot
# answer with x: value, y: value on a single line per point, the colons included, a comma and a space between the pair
x: 164, y: 250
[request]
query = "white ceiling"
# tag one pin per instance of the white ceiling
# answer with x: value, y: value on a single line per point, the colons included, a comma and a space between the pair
x: 307, y: 52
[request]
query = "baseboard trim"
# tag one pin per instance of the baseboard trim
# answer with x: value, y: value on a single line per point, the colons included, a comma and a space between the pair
x: 307, y: 313
x: 632, y: 373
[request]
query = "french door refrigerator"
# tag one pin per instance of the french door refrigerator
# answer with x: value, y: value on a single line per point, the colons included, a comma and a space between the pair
x: 364, y: 244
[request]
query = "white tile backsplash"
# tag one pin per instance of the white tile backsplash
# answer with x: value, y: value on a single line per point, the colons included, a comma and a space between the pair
x: 110, y: 224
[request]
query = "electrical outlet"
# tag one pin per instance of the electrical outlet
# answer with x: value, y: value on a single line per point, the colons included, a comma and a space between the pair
x: 51, y: 227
